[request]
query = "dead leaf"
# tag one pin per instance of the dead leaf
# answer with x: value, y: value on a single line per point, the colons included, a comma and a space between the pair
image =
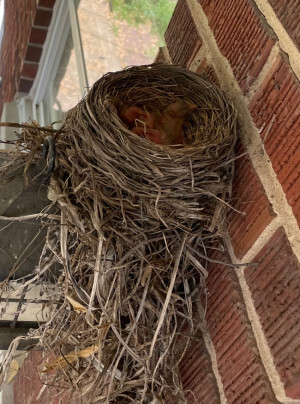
x: 63, y: 361
x: 13, y: 370
x: 146, y: 274
x: 78, y: 307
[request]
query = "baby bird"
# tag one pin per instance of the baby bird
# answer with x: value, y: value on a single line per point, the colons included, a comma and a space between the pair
x: 170, y: 122
x: 133, y: 115
x: 164, y: 127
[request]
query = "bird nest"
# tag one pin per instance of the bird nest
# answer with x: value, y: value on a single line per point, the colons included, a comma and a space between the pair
x: 137, y: 223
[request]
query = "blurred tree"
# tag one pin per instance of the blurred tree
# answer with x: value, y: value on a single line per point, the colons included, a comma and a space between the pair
x: 136, y: 12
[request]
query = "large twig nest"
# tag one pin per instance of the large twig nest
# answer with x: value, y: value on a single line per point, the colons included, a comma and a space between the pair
x: 138, y: 220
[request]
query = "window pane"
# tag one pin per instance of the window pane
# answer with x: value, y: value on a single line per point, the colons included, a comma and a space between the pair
x: 65, y: 88
x: 120, y: 33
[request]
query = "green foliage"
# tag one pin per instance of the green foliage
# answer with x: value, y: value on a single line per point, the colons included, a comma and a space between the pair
x: 150, y: 52
x: 137, y: 12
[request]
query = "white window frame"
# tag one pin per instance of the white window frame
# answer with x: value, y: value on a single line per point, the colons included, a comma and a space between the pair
x: 41, y: 96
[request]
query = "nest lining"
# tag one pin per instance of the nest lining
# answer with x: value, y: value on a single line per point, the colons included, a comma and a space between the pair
x: 137, y: 223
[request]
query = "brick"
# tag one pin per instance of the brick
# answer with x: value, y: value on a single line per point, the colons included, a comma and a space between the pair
x: 288, y: 12
x: 207, y: 70
x: 182, y: 38
x: 248, y: 196
x: 29, y: 70
x: 42, y: 17
x: 27, y: 385
x: 38, y: 36
x: 25, y: 85
x: 19, y: 387
x: 18, y: 21
x: 46, y: 3
x: 243, y: 375
x: 276, y: 108
x: 242, y: 36
x: 293, y: 390
x: 197, y: 376
x: 275, y: 288
x: 33, y: 53
x: 33, y: 384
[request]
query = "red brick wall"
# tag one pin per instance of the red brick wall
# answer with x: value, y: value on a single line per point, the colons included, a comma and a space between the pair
x: 28, y: 388
x: 288, y: 12
x: 198, y: 381
x: 253, y: 315
x: 27, y: 384
x: 277, y: 104
x: 25, y: 29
